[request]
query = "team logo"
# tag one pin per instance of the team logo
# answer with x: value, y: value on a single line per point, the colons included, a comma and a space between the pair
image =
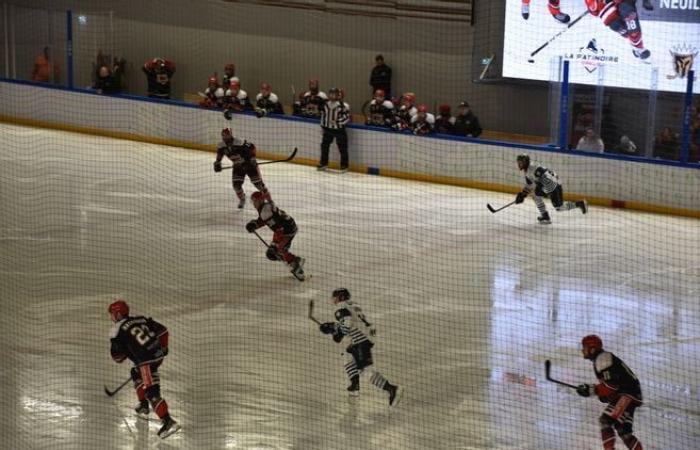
x: 683, y: 57
x: 591, y: 56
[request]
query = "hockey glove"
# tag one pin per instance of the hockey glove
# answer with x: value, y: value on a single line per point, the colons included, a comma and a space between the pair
x: 228, y: 114
x: 327, y: 328
x: 217, y: 166
x: 584, y: 390
x: 272, y: 253
x: 520, y: 197
x: 251, y: 226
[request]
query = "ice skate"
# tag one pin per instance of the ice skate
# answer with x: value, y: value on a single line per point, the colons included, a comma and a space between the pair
x: 582, y: 205
x: 641, y: 53
x: 169, y: 427
x: 544, y: 219
x: 395, y: 394
x: 354, y: 388
x: 343, y: 170
x: 321, y: 167
x: 241, y: 203
x: 298, y: 268
x: 142, y: 410
x: 525, y: 11
x: 561, y: 17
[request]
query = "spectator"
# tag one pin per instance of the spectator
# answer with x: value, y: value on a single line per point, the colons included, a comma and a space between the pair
x: 466, y: 123
x: 310, y: 102
x: 159, y: 72
x: 235, y: 99
x: 213, y: 94
x: 666, y: 145
x: 266, y: 102
x: 423, y: 122
x: 381, y: 76
x: 381, y: 110
x: 335, y: 114
x: 229, y: 75
x: 445, y: 123
x: 626, y: 146
x: 107, y: 82
x: 45, y: 69
x: 405, y: 112
x: 590, y: 142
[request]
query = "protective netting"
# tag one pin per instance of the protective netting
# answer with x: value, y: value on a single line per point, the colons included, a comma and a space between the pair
x: 467, y: 304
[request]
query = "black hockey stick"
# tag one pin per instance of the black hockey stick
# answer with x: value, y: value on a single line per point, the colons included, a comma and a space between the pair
x: 547, y: 373
x: 553, y: 38
x: 491, y: 208
x: 311, y: 312
x: 112, y: 393
x: 287, y: 159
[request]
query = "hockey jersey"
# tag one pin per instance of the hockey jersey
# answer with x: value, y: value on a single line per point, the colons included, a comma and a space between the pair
x: 141, y: 339
x: 536, y: 175
x: 615, y: 377
x: 239, y: 152
x: 352, y: 322
x: 276, y: 219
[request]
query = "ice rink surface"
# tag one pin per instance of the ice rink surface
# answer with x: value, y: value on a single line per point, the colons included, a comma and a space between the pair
x: 468, y: 305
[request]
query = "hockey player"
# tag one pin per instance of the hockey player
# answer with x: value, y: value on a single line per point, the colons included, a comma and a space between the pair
x: 229, y: 74
x: 405, y: 112
x: 423, y: 122
x: 352, y: 323
x: 618, y: 387
x: 242, y: 155
x: 552, y: 5
x: 543, y: 182
x: 381, y: 110
x: 145, y: 342
x: 445, y: 122
x: 310, y: 102
x: 284, y: 229
x: 235, y: 99
x: 213, y: 94
x: 621, y: 16
x: 267, y: 102
x: 159, y: 73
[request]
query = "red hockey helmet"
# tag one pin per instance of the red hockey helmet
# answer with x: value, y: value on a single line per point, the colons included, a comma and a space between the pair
x: 118, y: 309
x: 313, y: 82
x: 265, y: 87
x: 235, y: 84
x: 444, y: 108
x: 409, y: 97
x: 591, y: 345
x: 257, y: 198
x: 422, y: 108
x: 213, y: 80
x: 227, y: 135
x: 379, y: 93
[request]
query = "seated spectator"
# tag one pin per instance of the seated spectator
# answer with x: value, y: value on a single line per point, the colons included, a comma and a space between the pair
x: 235, y: 99
x: 213, y: 94
x: 405, y: 112
x: 445, y: 123
x: 45, y: 69
x: 466, y: 123
x: 229, y: 75
x: 107, y: 82
x: 266, y: 102
x: 381, y: 110
x: 423, y: 122
x: 667, y: 145
x: 626, y: 146
x: 310, y: 102
x: 159, y: 72
x: 590, y: 142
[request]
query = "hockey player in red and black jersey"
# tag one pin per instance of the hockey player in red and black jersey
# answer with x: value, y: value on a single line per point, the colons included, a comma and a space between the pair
x: 543, y: 182
x: 618, y: 387
x: 242, y: 154
x: 552, y: 5
x: 284, y: 229
x: 145, y: 342
x: 381, y: 110
x: 405, y: 112
x: 310, y: 102
x: 621, y: 17
x: 267, y: 102
x: 213, y: 94
x: 423, y: 122
x: 235, y: 99
x: 444, y: 122
x: 229, y: 75
x: 159, y: 72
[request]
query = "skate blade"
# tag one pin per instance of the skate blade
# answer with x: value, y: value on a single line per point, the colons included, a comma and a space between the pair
x: 175, y: 428
x: 398, y: 397
x: 145, y: 417
x: 353, y: 394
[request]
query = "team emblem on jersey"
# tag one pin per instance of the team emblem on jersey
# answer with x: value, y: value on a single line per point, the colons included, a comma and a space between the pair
x: 683, y: 58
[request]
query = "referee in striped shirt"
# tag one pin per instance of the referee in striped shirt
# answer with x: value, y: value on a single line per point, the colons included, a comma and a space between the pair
x: 334, y: 116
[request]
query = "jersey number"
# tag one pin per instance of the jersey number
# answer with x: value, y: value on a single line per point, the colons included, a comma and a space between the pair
x: 142, y: 334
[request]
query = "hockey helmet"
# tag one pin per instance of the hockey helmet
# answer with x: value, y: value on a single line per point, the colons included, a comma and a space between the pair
x: 409, y: 97
x: 230, y: 67
x: 423, y: 108
x: 523, y: 161
x: 342, y: 294
x: 258, y: 198
x: 591, y: 345
x: 334, y: 91
x: 313, y: 83
x: 444, y: 108
x: 235, y: 84
x: 213, y: 80
x: 265, y: 87
x: 379, y: 93
x: 227, y: 135
x: 118, y: 309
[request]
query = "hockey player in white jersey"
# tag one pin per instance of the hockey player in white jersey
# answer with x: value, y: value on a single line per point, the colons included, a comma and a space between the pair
x: 352, y: 323
x: 542, y: 182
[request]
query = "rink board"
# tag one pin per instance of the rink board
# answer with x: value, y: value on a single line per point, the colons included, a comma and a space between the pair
x: 603, y: 179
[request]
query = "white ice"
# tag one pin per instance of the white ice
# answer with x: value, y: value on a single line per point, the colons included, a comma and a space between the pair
x: 468, y: 306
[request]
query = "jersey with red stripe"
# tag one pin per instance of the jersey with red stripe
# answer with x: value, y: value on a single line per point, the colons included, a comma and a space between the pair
x: 615, y: 377
x: 141, y: 339
x: 276, y: 219
x: 605, y: 9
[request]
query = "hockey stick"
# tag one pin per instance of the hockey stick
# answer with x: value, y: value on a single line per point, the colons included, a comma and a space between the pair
x: 300, y: 278
x: 547, y: 373
x: 112, y: 393
x: 553, y: 38
x: 287, y: 159
x: 311, y: 312
x: 491, y: 208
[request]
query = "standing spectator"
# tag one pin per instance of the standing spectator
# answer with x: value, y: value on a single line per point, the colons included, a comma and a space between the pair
x: 310, y: 102
x: 267, y: 102
x: 45, y: 69
x: 229, y: 75
x: 107, y: 82
x: 159, y: 72
x: 466, y: 123
x: 445, y: 123
x: 381, y: 76
x: 235, y: 99
x: 423, y: 122
x: 334, y: 116
x: 590, y: 142
x: 666, y: 145
x: 213, y: 94
x: 626, y: 146
x: 381, y: 110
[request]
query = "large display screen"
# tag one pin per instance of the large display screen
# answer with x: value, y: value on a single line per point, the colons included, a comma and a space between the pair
x: 598, y: 41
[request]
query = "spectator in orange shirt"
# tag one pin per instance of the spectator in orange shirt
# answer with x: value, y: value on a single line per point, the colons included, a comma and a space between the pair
x: 45, y: 69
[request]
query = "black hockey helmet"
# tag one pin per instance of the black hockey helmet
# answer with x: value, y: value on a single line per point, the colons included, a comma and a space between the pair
x: 342, y: 294
x: 523, y: 160
x: 334, y: 90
